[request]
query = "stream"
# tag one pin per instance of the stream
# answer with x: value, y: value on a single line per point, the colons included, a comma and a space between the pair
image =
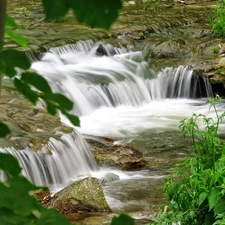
x: 133, y: 84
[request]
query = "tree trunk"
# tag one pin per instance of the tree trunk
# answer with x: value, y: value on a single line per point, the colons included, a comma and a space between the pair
x: 2, y: 29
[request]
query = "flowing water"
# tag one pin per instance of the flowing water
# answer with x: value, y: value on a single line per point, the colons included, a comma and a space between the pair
x: 116, y: 94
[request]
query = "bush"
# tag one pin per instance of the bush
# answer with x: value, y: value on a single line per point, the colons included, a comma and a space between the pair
x: 195, y: 192
x: 218, y: 23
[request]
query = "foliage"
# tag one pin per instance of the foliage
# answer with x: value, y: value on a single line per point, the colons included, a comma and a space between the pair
x: 94, y: 13
x: 218, y: 28
x: 196, y: 189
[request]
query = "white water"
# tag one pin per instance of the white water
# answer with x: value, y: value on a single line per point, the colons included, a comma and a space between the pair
x: 117, y: 95
x: 57, y: 164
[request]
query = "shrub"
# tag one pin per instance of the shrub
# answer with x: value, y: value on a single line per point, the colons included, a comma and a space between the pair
x: 195, y: 191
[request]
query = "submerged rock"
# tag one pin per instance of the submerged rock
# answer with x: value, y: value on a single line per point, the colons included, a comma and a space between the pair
x: 82, y: 196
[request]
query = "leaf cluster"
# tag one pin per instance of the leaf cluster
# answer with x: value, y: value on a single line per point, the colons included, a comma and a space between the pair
x: 217, y: 23
x: 195, y: 192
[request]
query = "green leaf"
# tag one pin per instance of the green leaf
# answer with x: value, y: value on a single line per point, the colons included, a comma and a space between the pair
x: 11, y: 59
x: 213, y: 198
x: 37, y: 81
x: 10, y: 22
x: 219, y: 207
x: 21, y: 186
x: 26, y: 90
x: 9, y: 164
x: 4, y: 130
x: 123, y: 219
x: 16, y: 37
x: 62, y: 100
x: 73, y: 119
x: 202, y: 197
x: 8, y: 217
x: 52, y: 217
x: 55, y: 9
x: 96, y: 13
x: 50, y: 107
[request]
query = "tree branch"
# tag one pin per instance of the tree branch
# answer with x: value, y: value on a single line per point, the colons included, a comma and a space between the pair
x: 2, y: 29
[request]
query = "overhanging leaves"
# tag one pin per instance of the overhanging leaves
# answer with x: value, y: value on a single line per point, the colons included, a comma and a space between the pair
x: 11, y: 59
x: 25, y: 89
x: 4, y: 130
x: 16, y: 37
x: 94, y: 13
x: 9, y: 164
x: 122, y: 220
x: 37, y: 81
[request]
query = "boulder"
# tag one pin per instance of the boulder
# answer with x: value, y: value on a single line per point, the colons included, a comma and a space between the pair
x: 82, y: 196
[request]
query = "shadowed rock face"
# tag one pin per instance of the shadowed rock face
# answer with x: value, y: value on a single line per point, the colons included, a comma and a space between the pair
x: 81, y: 196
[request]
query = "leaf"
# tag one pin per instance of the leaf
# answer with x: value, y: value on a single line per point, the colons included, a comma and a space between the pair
x: 122, y: 220
x: 8, y: 217
x: 202, y: 197
x: 52, y: 217
x: 10, y: 22
x: 213, y: 198
x: 21, y: 186
x: 11, y: 59
x: 4, y: 130
x: 73, y: 119
x: 9, y: 164
x: 26, y: 90
x: 50, y: 107
x: 62, y: 100
x: 219, y: 207
x: 37, y: 81
x: 96, y: 13
x: 55, y: 9
x: 16, y: 37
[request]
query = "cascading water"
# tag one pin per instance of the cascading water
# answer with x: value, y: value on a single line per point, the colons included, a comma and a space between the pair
x: 56, y: 164
x: 115, y: 94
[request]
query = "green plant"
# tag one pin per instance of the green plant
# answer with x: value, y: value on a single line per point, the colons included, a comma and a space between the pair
x: 195, y: 192
x: 215, y: 49
x: 217, y: 23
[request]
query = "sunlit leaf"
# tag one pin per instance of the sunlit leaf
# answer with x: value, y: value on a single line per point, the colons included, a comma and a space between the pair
x: 9, y: 164
x: 213, y: 198
x: 10, y: 22
x: 16, y: 37
x: 4, y: 130
x: 26, y: 90
x: 219, y: 207
x: 37, y: 81
x: 123, y: 219
x: 202, y: 197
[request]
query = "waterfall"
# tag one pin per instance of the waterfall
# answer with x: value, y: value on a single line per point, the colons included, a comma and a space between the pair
x: 115, y: 93
x: 113, y: 78
x: 57, y: 164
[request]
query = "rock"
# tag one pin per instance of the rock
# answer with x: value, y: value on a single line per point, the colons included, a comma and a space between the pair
x: 119, y: 156
x: 109, y: 177
x: 81, y: 196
